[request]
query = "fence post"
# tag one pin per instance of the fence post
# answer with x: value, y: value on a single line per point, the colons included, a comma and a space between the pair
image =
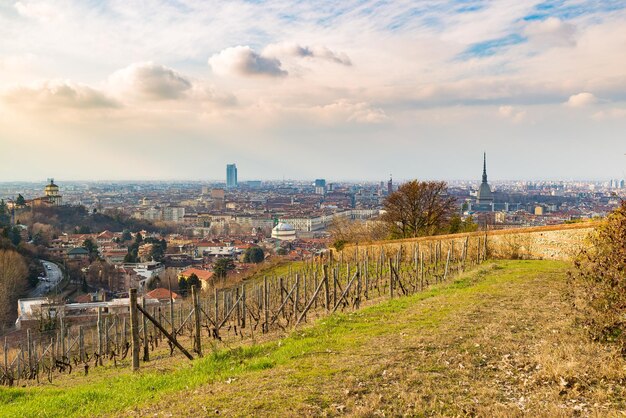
x: 295, y: 303
x: 134, y: 328
x: 146, y: 348
x: 99, y: 330
x: 106, y: 335
x: 62, y: 338
x: 243, y: 305
x: 326, y: 289
x: 6, y: 356
x: 391, y: 277
x: 29, y: 341
x: 266, y: 308
x: 169, y: 284
x: 81, y: 343
x: 196, y: 317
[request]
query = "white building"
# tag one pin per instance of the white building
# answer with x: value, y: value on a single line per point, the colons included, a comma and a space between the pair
x: 284, y: 232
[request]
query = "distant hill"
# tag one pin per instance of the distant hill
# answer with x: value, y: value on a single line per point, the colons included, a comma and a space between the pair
x: 70, y: 218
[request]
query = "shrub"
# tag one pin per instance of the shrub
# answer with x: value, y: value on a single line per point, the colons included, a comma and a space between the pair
x: 600, y: 280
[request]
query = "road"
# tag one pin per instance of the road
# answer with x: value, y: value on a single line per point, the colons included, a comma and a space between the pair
x: 53, y: 278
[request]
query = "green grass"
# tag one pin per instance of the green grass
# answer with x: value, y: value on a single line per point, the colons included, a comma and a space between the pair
x: 122, y: 389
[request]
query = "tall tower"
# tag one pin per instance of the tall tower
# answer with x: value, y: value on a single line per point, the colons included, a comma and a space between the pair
x: 390, y: 185
x: 231, y: 176
x: 484, y: 167
x: 484, y: 191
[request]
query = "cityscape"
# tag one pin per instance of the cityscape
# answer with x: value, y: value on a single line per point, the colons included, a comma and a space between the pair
x: 273, y: 208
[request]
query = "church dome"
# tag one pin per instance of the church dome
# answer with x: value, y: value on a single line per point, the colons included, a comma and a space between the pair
x: 484, y: 193
x: 283, y: 226
x: 284, y: 232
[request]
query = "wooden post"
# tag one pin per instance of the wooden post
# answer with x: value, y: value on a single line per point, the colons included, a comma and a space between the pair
x: 391, y: 281
x: 62, y: 337
x: 134, y: 328
x: 445, y: 273
x: 217, y: 309
x: 326, y: 289
x: 29, y: 341
x: 124, y: 331
x: 196, y: 317
x: 266, y: 302
x: 81, y: 344
x: 146, y: 347
x: 106, y: 335
x: 99, y: 330
x: 295, y: 303
x: 116, y: 329
x: 173, y: 327
x: 6, y: 356
x: 243, y: 305
x: 282, y: 293
x: 335, y: 273
x: 485, y: 247
x: 238, y: 307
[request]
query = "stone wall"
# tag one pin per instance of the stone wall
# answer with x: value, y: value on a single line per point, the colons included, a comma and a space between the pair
x: 558, y: 242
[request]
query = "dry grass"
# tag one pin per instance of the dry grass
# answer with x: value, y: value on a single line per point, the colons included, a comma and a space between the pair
x: 500, y: 341
x: 504, y: 346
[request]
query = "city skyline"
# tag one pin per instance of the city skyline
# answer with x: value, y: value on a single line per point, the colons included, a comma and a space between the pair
x: 352, y: 91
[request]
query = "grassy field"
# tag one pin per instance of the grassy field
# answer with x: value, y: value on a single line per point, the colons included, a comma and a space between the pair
x: 498, y: 341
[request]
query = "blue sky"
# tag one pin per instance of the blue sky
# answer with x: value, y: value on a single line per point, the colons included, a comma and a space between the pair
x: 354, y: 89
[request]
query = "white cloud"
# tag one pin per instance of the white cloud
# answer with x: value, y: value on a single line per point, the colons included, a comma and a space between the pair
x: 613, y: 113
x: 581, y: 100
x: 244, y: 61
x: 38, y: 10
x: 346, y: 111
x: 150, y: 81
x: 512, y: 113
x: 57, y: 94
x: 551, y: 32
x: 296, y: 50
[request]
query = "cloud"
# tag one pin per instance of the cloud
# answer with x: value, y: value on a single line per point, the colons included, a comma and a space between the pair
x: 296, y: 50
x: 37, y: 10
x: 57, y: 94
x: 208, y: 93
x: 614, y: 113
x: 347, y: 111
x: 552, y: 32
x: 512, y: 113
x: 581, y: 100
x: 150, y: 81
x: 244, y: 61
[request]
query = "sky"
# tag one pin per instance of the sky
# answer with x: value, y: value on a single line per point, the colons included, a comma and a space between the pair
x: 342, y: 90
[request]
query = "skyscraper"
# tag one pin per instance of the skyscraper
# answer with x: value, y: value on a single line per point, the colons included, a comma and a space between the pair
x: 320, y: 186
x: 231, y: 175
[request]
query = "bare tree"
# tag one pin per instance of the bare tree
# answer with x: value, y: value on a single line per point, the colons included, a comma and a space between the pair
x: 13, y: 281
x: 418, y: 208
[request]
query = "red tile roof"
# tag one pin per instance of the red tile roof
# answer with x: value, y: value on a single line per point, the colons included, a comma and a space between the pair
x: 161, y: 293
x: 202, y: 274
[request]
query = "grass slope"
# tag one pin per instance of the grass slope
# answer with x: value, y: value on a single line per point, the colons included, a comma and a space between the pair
x: 499, y: 341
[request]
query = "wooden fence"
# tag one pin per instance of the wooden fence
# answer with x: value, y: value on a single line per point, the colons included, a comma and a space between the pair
x: 338, y: 281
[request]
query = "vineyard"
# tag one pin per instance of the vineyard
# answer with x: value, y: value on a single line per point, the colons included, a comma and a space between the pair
x: 145, y: 328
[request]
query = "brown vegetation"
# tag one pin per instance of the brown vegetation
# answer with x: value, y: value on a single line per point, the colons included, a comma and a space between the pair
x: 599, y: 280
x: 418, y: 208
x: 13, y: 274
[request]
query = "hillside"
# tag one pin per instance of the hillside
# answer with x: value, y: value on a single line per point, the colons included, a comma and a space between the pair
x: 500, y: 340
